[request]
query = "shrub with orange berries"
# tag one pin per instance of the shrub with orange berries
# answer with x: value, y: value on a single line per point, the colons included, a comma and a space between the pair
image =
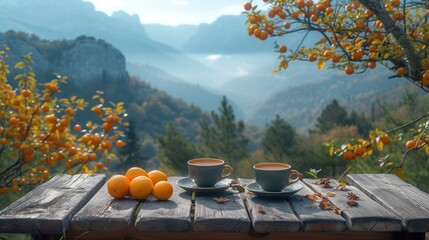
x: 39, y: 135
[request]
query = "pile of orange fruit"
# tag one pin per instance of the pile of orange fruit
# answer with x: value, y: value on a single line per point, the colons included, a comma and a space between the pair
x: 140, y: 184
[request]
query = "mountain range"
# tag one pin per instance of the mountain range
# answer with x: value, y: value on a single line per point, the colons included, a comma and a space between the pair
x: 202, y: 63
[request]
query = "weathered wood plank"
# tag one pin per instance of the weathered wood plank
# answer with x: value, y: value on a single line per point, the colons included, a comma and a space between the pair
x: 229, y: 217
x: 407, y: 201
x: 172, y: 215
x: 48, y: 209
x: 104, y: 213
x: 349, y: 235
x: 367, y: 216
x: 312, y: 217
x: 268, y: 214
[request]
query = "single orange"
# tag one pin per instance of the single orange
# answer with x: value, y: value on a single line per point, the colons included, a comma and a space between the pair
x: 141, y: 187
x: 118, y: 186
x: 162, y: 190
x: 156, y: 176
x: 135, y: 172
x: 283, y: 48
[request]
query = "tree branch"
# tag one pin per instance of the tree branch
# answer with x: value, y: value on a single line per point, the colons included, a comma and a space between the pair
x: 412, y: 58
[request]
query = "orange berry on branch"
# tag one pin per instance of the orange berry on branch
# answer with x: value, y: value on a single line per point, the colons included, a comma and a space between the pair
x: 314, y: 17
x: 100, y: 165
x: 312, y: 57
x: 247, y: 6
x: 283, y: 48
x: 401, y: 71
x: 300, y: 3
x: 263, y: 35
x: 385, y: 139
x: 294, y: 15
x: 335, y: 58
x: 25, y: 93
x: 286, y: 25
x: 120, y: 144
x: 350, y: 69
x: 349, y: 155
x: 371, y: 65
x: 321, y: 7
x: 77, y: 128
x: 395, y: 3
x: 93, y: 156
x: 253, y: 19
x: 327, y: 53
x: 281, y: 15
x: 425, y: 79
x: 359, y: 151
x: 410, y: 144
x: 397, y: 16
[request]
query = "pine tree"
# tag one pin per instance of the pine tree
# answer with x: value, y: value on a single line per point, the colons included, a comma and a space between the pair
x: 224, y: 136
x: 130, y: 153
x: 279, y: 139
x: 175, y: 150
x: 333, y: 115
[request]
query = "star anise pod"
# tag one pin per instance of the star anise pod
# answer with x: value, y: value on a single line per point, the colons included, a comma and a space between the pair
x: 353, y: 197
x: 352, y: 203
x: 261, y: 210
x: 221, y: 200
x: 324, y: 182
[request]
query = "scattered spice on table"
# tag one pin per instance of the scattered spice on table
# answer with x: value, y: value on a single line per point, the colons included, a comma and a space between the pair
x: 324, y: 203
x: 221, y: 200
x: 352, y: 199
x: 324, y: 182
x: 260, y: 209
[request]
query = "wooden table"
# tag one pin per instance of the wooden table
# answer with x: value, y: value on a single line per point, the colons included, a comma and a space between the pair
x: 79, y: 207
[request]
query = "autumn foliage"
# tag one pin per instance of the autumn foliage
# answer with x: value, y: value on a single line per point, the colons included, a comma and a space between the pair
x: 355, y: 36
x: 39, y: 135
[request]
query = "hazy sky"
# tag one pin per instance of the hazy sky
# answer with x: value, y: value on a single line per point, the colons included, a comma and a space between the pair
x: 173, y: 12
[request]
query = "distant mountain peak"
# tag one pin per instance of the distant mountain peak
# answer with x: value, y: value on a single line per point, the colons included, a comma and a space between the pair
x: 122, y: 15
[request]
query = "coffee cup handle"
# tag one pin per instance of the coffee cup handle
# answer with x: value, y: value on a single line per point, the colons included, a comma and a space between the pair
x: 297, y: 174
x: 229, y: 169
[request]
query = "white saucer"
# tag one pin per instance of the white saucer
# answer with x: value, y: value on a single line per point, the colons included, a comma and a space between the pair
x: 287, y: 191
x: 189, y: 185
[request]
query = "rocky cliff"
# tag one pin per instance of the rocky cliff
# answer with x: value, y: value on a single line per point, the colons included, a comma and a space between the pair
x: 83, y: 60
